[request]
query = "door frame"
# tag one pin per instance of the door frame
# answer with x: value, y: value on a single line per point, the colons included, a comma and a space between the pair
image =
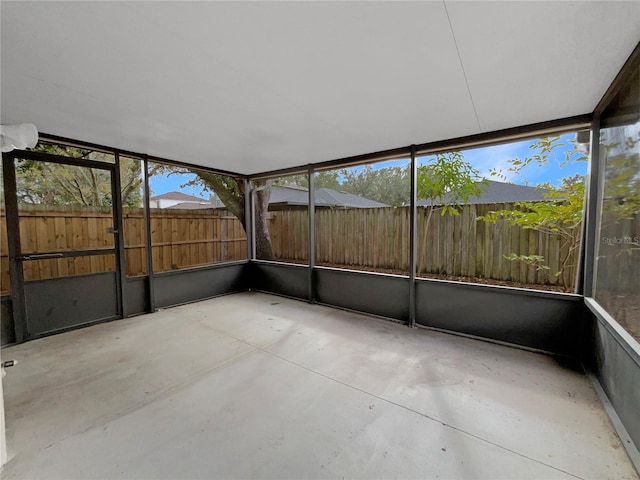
x: 16, y: 257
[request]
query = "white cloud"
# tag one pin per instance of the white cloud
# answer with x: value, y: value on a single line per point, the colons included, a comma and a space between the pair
x: 497, y: 158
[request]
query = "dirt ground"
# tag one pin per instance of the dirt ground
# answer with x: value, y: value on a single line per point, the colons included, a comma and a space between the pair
x: 454, y: 278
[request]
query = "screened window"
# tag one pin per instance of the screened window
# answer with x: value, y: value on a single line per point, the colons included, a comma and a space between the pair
x: 281, y: 219
x: 362, y: 217
x: 196, y: 217
x: 133, y: 219
x: 617, y: 268
x: 507, y: 215
x: 5, y: 284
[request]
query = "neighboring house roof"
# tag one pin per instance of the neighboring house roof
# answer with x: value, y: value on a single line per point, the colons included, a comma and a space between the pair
x: 501, y: 192
x: 179, y: 196
x: 191, y: 206
x: 288, y: 195
x: 332, y: 197
x: 324, y: 197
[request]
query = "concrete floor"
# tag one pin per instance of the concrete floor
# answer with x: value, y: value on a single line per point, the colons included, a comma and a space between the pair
x: 257, y: 386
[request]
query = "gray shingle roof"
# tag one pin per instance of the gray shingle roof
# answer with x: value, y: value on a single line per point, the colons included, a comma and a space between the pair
x: 288, y: 195
x: 501, y: 192
x: 178, y: 196
x: 191, y: 206
x: 324, y: 197
x: 330, y: 197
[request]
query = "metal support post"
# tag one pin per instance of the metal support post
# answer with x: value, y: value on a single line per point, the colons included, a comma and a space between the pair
x: 119, y: 232
x: 312, y: 234
x: 16, y: 274
x: 591, y: 220
x: 247, y: 218
x: 147, y: 220
x: 413, y: 239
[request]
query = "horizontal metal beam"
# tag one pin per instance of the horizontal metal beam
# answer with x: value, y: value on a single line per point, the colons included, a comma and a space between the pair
x: 46, y: 137
x: 189, y: 166
x: 68, y: 142
x: 60, y: 159
x: 345, y: 162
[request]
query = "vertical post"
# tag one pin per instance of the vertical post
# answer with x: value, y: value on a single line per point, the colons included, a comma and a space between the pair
x: 591, y: 220
x: 3, y: 435
x: 252, y: 199
x: 312, y: 234
x: 16, y: 274
x: 580, y: 266
x: 223, y: 240
x: 147, y: 222
x: 247, y: 218
x: 118, y: 237
x: 413, y: 239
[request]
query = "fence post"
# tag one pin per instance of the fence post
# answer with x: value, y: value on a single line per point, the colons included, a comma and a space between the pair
x: 223, y: 239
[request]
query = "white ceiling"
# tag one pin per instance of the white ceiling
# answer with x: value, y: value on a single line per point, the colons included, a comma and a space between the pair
x: 251, y: 87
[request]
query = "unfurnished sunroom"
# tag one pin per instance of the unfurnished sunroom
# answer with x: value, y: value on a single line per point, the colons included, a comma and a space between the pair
x: 318, y: 239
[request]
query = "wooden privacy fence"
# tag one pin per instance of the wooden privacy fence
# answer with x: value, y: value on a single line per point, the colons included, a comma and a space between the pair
x: 289, y: 231
x: 378, y: 238
x: 373, y: 238
x: 185, y: 238
x: 180, y: 238
x: 462, y: 245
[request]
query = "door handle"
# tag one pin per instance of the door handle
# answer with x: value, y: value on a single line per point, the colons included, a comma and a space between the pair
x: 40, y: 256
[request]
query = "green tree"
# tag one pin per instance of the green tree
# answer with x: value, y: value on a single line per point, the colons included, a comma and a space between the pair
x: 322, y: 179
x: 446, y: 181
x: 59, y: 184
x: 619, y: 250
x: 560, y: 213
x: 621, y: 176
x: 389, y: 185
x: 232, y: 193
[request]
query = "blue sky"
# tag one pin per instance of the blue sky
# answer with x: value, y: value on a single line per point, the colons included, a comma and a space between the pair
x: 482, y: 159
x: 487, y: 158
x: 160, y: 184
